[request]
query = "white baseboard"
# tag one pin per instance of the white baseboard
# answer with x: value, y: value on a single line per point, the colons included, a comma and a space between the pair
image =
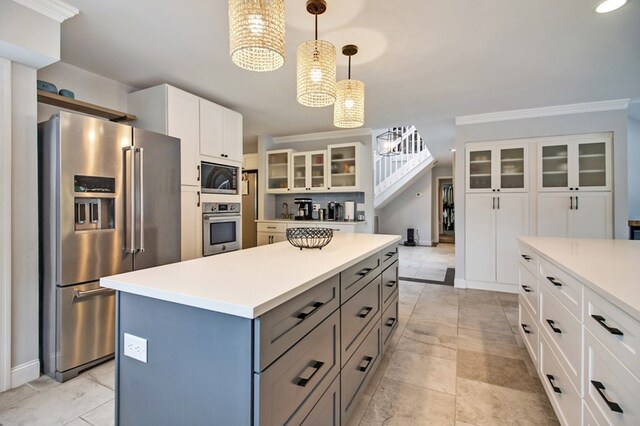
x: 25, y: 373
x: 483, y: 285
x: 459, y: 283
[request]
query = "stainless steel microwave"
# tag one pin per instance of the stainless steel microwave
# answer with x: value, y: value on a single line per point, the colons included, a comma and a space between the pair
x: 219, y: 178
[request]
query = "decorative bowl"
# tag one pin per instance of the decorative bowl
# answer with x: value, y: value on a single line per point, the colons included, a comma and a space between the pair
x: 47, y: 87
x: 309, y: 237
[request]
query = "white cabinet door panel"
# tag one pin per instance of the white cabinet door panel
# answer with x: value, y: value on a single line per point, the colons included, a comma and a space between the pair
x: 183, y: 123
x: 232, y: 135
x: 211, y: 129
x: 512, y: 221
x: 480, y: 238
x: 553, y: 215
x: 592, y: 215
x: 191, y: 223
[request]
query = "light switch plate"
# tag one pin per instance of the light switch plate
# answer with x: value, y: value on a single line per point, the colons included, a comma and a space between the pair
x: 135, y: 347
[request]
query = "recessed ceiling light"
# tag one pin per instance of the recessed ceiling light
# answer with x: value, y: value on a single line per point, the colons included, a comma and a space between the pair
x: 610, y: 5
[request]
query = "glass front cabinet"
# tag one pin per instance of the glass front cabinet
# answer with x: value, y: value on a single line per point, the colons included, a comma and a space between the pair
x: 575, y: 163
x: 278, y: 171
x: 497, y: 167
x: 343, y: 162
x: 309, y: 171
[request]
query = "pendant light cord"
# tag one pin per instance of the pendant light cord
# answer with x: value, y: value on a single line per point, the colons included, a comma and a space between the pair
x: 316, y: 15
x: 349, y: 75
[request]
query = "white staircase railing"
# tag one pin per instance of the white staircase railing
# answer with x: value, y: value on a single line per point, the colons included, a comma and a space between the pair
x: 389, y: 169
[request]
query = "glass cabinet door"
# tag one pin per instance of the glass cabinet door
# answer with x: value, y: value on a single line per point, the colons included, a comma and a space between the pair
x: 512, y: 168
x: 592, y: 164
x: 555, y: 166
x: 343, y: 166
x: 299, y: 171
x: 480, y: 169
x: 318, y: 178
x: 278, y: 171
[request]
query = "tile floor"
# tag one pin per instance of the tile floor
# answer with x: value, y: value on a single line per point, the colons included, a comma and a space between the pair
x: 456, y: 359
x: 427, y: 263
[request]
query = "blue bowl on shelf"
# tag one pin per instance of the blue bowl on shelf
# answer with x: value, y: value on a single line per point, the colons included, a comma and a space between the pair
x: 67, y: 93
x: 47, y: 87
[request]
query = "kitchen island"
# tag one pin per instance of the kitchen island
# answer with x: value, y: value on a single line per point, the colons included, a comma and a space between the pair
x: 269, y: 335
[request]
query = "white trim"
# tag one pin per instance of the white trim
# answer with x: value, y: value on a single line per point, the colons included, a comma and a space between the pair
x: 482, y: 285
x: 5, y: 224
x: 543, y: 112
x: 24, y: 373
x: 336, y: 134
x: 460, y: 283
x: 54, y: 9
x: 436, y: 223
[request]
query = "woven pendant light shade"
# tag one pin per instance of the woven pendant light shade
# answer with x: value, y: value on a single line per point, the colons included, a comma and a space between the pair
x: 348, y: 111
x: 316, y: 73
x: 256, y: 34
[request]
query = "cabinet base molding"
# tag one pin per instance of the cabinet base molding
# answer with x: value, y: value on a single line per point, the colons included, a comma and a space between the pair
x: 483, y: 285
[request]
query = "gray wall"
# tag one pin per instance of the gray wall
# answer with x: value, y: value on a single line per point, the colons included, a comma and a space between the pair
x: 593, y: 122
x: 634, y: 168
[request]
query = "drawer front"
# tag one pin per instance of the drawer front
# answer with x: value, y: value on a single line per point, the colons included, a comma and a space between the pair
x: 564, y: 287
x: 359, y: 311
x: 287, y: 383
x: 389, y: 255
x: 610, y: 390
x: 358, y: 370
x: 615, y: 328
x: 529, y: 331
x: 529, y: 288
x: 390, y: 319
x: 320, y: 410
x: 271, y: 227
x: 529, y: 259
x: 389, y: 284
x: 280, y: 328
x: 588, y: 419
x: 564, y: 333
x: 563, y: 395
x: 357, y: 276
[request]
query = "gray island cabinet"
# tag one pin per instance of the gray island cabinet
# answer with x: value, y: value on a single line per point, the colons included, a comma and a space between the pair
x: 266, y: 336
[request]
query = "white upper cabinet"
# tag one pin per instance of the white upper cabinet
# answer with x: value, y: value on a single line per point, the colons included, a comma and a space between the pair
x: 309, y: 171
x: 497, y: 167
x: 220, y: 132
x: 279, y: 170
x: 578, y: 163
x: 344, y: 165
x: 182, y: 122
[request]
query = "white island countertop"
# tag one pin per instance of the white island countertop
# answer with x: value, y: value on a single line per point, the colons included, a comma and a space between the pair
x: 610, y: 268
x: 248, y: 283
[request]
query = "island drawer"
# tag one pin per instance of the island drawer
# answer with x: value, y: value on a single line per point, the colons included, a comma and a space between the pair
x: 529, y: 330
x: 529, y: 259
x: 283, y: 387
x: 619, y: 331
x: 357, y: 371
x: 564, y: 334
x: 357, y: 276
x: 563, y: 395
x: 528, y: 288
x: 389, y: 255
x: 272, y: 227
x: 359, y: 311
x: 610, y: 389
x: 321, y: 409
x: 390, y: 319
x: 563, y: 286
x: 389, y: 284
x: 280, y: 328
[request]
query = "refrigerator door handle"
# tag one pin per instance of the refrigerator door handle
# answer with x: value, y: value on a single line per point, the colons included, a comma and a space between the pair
x: 132, y: 198
x: 140, y: 193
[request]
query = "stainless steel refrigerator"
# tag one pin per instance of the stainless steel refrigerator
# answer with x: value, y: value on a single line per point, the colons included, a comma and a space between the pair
x: 109, y: 202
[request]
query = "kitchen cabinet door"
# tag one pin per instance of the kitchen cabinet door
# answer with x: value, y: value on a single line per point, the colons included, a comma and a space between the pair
x: 512, y: 221
x: 480, y: 169
x: 183, y: 122
x: 300, y: 170
x: 232, y: 141
x: 512, y: 165
x: 553, y: 214
x: 278, y: 171
x: 593, y: 166
x: 344, y: 166
x: 191, y: 223
x: 592, y: 215
x: 480, y: 238
x: 211, y: 129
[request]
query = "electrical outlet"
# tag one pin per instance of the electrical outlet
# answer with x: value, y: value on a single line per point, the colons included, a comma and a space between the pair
x: 135, y: 347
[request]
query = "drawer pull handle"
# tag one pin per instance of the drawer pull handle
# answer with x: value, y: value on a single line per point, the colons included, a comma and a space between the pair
x: 554, y: 282
x: 526, y: 288
x: 365, y: 311
x: 602, y: 321
x: 552, y: 324
x: 367, y: 360
x: 390, y: 254
x: 364, y: 272
x: 315, y: 366
x: 525, y: 328
x: 271, y: 227
x: 556, y: 389
x: 390, y: 322
x: 526, y: 257
x: 390, y: 284
x: 314, y: 305
x: 612, y: 405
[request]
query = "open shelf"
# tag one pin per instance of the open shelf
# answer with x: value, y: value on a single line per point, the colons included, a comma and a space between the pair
x: 83, y: 107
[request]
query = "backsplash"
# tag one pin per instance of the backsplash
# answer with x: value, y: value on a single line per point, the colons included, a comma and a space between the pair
x: 322, y: 198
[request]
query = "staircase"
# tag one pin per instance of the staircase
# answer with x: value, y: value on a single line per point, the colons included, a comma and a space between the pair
x: 395, y: 173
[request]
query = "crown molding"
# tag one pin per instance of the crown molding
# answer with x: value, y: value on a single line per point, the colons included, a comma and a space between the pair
x: 518, y: 114
x: 54, y: 9
x: 336, y: 134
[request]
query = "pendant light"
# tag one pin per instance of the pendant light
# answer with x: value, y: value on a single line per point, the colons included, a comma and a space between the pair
x: 316, y: 73
x: 388, y: 143
x: 348, y: 111
x: 256, y: 34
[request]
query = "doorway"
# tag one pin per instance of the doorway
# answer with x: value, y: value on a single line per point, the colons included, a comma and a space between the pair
x: 446, y: 211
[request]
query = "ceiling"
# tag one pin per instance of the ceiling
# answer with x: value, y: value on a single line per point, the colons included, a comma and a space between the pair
x: 424, y: 62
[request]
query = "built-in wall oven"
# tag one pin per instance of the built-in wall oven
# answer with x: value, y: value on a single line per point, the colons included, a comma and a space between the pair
x: 219, y: 178
x: 221, y: 228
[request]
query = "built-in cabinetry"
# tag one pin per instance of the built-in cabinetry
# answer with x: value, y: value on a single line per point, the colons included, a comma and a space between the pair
x: 207, y: 132
x: 498, y: 167
x: 273, y: 231
x: 585, y: 347
x: 337, y: 169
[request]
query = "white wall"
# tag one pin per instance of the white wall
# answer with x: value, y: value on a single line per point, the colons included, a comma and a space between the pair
x: 593, y: 122
x: 634, y: 169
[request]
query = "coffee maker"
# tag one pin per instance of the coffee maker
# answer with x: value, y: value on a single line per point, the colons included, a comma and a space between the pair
x: 334, y: 211
x: 305, y: 208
